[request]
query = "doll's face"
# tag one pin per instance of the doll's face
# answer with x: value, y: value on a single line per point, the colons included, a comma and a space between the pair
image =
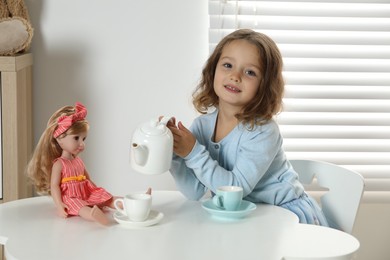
x: 73, y: 144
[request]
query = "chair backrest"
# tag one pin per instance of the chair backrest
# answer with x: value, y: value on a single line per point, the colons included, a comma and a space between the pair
x: 341, y: 203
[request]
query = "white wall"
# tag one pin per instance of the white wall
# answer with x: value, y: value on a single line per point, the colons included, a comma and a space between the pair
x: 127, y: 61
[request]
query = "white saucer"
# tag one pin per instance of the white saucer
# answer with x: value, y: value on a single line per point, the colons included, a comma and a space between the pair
x: 154, y: 218
x: 245, y: 209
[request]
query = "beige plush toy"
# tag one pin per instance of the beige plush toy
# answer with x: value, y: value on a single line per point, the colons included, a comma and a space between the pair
x: 15, y: 28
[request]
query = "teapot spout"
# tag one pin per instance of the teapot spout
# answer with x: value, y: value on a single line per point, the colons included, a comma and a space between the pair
x: 140, y: 153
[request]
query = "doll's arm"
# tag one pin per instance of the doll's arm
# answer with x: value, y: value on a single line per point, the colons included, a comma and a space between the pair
x: 55, y: 182
x: 88, y: 176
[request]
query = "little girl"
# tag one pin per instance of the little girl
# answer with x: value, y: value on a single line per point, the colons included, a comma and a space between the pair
x: 236, y: 141
x: 56, y: 169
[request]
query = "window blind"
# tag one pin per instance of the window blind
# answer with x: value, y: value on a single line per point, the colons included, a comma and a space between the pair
x: 337, y: 71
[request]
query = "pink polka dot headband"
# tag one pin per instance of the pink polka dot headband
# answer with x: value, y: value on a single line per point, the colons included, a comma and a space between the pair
x: 65, y: 122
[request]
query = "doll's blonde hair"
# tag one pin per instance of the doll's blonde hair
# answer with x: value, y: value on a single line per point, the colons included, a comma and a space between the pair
x: 47, y: 150
x: 268, y: 100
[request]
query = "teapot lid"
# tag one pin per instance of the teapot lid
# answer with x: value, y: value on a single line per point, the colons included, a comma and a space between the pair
x: 154, y: 127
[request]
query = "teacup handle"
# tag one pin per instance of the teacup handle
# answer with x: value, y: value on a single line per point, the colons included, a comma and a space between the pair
x: 118, y: 208
x: 218, y: 201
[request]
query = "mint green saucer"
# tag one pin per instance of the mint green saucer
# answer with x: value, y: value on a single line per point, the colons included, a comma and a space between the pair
x: 245, y: 209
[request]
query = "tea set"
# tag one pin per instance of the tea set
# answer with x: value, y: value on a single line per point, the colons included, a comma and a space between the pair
x: 151, y: 154
x: 136, y: 211
x: 152, y: 147
x: 228, y: 204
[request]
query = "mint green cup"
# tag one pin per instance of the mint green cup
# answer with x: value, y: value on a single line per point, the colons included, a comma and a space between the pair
x: 228, y: 197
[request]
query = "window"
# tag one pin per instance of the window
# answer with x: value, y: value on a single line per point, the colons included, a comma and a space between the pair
x: 337, y: 71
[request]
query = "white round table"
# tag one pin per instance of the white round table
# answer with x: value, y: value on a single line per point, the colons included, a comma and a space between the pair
x: 31, y: 230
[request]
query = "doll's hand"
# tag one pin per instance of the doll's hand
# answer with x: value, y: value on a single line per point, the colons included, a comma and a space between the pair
x: 62, y: 210
x: 184, y: 140
x: 149, y: 191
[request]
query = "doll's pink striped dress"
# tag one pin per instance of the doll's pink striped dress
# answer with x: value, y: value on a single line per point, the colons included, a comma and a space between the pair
x: 76, y: 190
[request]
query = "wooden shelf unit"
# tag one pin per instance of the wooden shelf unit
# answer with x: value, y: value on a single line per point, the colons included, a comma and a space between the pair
x: 16, y: 124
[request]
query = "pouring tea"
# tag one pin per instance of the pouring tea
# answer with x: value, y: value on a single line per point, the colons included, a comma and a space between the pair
x: 152, y: 147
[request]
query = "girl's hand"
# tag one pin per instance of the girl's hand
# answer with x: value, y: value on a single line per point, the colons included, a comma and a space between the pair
x: 171, y: 122
x: 184, y: 140
x: 62, y: 210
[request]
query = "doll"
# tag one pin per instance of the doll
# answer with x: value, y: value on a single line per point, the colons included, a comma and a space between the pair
x: 56, y: 169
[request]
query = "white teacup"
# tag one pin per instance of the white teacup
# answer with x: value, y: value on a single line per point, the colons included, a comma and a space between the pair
x: 136, y: 206
x: 228, y: 197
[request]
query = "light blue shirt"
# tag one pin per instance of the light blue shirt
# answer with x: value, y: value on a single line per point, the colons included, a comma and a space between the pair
x: 253, y: 159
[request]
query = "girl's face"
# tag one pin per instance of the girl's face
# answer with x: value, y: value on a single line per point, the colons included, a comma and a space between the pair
x: 72, y: 144
x: 238, y: 74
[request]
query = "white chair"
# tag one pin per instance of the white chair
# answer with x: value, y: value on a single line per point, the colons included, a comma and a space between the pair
x: 341, y: 202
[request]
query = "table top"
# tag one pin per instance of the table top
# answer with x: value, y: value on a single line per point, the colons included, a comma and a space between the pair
x: 30, y: 229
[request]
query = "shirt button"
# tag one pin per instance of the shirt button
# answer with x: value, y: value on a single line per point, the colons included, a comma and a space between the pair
x: 216, y: 146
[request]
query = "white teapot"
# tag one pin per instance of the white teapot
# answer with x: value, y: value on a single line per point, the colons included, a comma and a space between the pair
x: 152, y: 147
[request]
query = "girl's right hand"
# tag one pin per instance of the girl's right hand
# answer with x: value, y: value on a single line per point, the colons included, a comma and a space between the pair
x: 171, y: 123
x: 184, y: 140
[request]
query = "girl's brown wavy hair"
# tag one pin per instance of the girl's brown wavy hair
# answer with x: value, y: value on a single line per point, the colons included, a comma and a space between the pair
x: 268, y: 100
